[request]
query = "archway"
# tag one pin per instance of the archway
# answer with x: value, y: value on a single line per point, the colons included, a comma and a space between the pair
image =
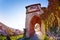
x: 33, y: 21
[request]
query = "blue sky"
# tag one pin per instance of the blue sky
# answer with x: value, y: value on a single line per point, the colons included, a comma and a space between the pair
x: 13, y: 12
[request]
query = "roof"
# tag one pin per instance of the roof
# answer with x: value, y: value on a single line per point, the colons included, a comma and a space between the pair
x: 33, y: 5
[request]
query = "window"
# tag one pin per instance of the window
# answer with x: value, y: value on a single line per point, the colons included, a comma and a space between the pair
x: 33, y: 7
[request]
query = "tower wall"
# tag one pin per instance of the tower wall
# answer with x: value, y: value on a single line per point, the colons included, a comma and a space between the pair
x: 31, y: 11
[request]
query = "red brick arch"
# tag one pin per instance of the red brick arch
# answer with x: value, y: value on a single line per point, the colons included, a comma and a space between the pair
x: 35, y: 19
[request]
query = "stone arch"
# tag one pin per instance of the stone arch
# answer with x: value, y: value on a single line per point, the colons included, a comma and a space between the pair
x: 35, y: 19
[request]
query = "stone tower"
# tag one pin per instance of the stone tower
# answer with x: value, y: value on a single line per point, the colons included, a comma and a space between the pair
x: 33, y: 13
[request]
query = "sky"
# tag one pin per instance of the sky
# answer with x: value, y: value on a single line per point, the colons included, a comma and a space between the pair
x: 13, y: 12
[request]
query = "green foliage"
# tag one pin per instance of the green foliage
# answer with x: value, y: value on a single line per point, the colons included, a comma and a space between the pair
x: 16, y: 37
x: 11, y: 37
x: 46, y: 38
x: 3, y: 37
x: 53, y: 30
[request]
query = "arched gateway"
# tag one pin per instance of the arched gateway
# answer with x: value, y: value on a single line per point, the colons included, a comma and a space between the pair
x: 33, y: 18
x: 34, y: 21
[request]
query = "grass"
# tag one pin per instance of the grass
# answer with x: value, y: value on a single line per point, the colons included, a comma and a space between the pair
x: 11, y: 37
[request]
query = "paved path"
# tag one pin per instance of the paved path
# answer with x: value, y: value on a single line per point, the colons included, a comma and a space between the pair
x: 34, y: 37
